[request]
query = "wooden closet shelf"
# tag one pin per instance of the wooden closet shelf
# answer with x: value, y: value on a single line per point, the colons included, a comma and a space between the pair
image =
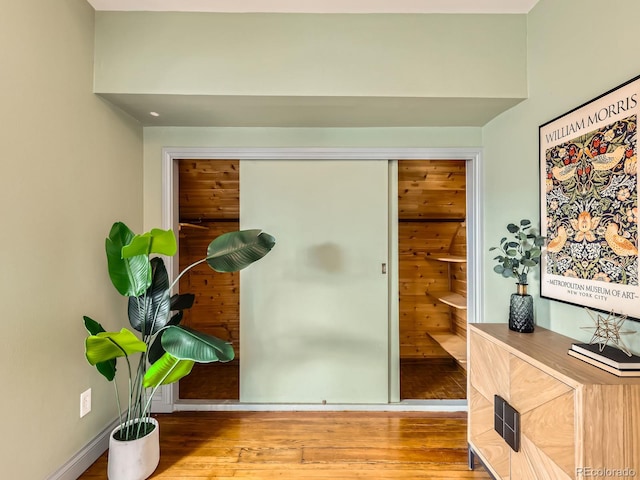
x: 454, y: 345
x: 454, y: 300
x: 451, y: 258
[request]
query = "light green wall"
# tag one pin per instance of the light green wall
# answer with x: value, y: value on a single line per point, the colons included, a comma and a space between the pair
x: 71, y: 165
x: 155, y: 138
x: 480, y: 56
x: 577, y: 50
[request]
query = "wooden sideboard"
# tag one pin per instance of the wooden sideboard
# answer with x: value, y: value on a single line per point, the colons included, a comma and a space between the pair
x: 575, y: 420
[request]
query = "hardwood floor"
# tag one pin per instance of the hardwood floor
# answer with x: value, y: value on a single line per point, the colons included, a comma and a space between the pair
x: 212, y: 381
x: 310, y: 445
x: 432, y: 379
x: 420, y: 380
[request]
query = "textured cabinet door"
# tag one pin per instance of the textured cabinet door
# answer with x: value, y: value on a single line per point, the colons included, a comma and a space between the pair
x: 488, y: 376
x: 485, y: 439
x: 547, y: 419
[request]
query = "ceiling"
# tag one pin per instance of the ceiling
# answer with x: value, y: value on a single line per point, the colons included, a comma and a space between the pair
x: 275, y: 111
x: 320, y: 6
x: 316, y: 111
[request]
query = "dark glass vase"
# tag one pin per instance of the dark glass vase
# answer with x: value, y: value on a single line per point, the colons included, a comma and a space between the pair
x: 521, y: 310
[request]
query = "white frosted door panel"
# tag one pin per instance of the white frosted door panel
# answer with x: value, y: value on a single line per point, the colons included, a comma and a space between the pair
x: 313, y: 313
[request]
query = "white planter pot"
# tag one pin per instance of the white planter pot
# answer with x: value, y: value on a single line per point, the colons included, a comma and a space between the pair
x: 134, y: 459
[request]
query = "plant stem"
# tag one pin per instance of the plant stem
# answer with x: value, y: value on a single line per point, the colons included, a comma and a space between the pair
x: 185, y: 271
x: 153, y: 323
x: 130, y: 402
x: 142, y: 394
x: 137, y: 385
x: 115, y: 384
x: 135, y: 400
x: 126, y: 357
x: 153, y: 392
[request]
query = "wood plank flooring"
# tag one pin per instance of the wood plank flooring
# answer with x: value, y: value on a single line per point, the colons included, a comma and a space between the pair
x: 432, y: 379
x: 310, y: 445
x: 212, y: 381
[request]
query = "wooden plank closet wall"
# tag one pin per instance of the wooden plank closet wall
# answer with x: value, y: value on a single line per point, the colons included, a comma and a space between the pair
x: 210, y: 199
x: 209, y: 195
x: 432, y: 213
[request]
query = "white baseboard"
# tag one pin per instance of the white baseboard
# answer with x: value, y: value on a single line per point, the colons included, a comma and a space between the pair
x: 82, y: 460
x: 403, y: 406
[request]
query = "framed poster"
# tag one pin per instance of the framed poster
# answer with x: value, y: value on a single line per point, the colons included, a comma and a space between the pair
x: 589, y: 203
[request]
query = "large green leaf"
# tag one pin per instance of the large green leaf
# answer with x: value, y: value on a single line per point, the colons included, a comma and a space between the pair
x: 234, y: 251
x: 108, y: 367
x: 130, y: 276
x: 156, y: 350
x: 151, y: 311
x: 92, y: 326
x: 139, y: 245
x: 182, y: 301
x: 109, y: 345
x: 156, y: 241
x: 166, y: 370
x: 187, y: 344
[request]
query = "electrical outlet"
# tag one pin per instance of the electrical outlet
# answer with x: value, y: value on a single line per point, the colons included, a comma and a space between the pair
x: 85, y: 402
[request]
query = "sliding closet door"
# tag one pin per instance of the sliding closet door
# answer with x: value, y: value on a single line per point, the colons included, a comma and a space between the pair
x: 313, y: 313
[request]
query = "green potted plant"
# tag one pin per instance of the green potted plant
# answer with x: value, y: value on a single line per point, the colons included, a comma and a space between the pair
x: 519, y: 253
x: 165, y: 350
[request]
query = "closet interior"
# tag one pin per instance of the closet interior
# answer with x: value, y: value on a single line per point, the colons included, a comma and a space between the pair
x: 432, y: 278
x: 432, y: 275
x: 209, y: 205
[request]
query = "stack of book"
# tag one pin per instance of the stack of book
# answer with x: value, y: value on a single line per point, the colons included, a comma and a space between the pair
x: 609, y: 359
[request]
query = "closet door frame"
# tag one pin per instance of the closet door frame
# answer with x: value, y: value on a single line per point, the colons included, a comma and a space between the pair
x: 167, y: 399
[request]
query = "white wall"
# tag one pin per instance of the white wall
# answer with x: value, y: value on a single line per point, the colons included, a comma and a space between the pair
x: 71, y: 165
x: 577, y: 50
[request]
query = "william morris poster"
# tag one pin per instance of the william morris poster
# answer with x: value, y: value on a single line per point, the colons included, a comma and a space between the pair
x: 589, y: 203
